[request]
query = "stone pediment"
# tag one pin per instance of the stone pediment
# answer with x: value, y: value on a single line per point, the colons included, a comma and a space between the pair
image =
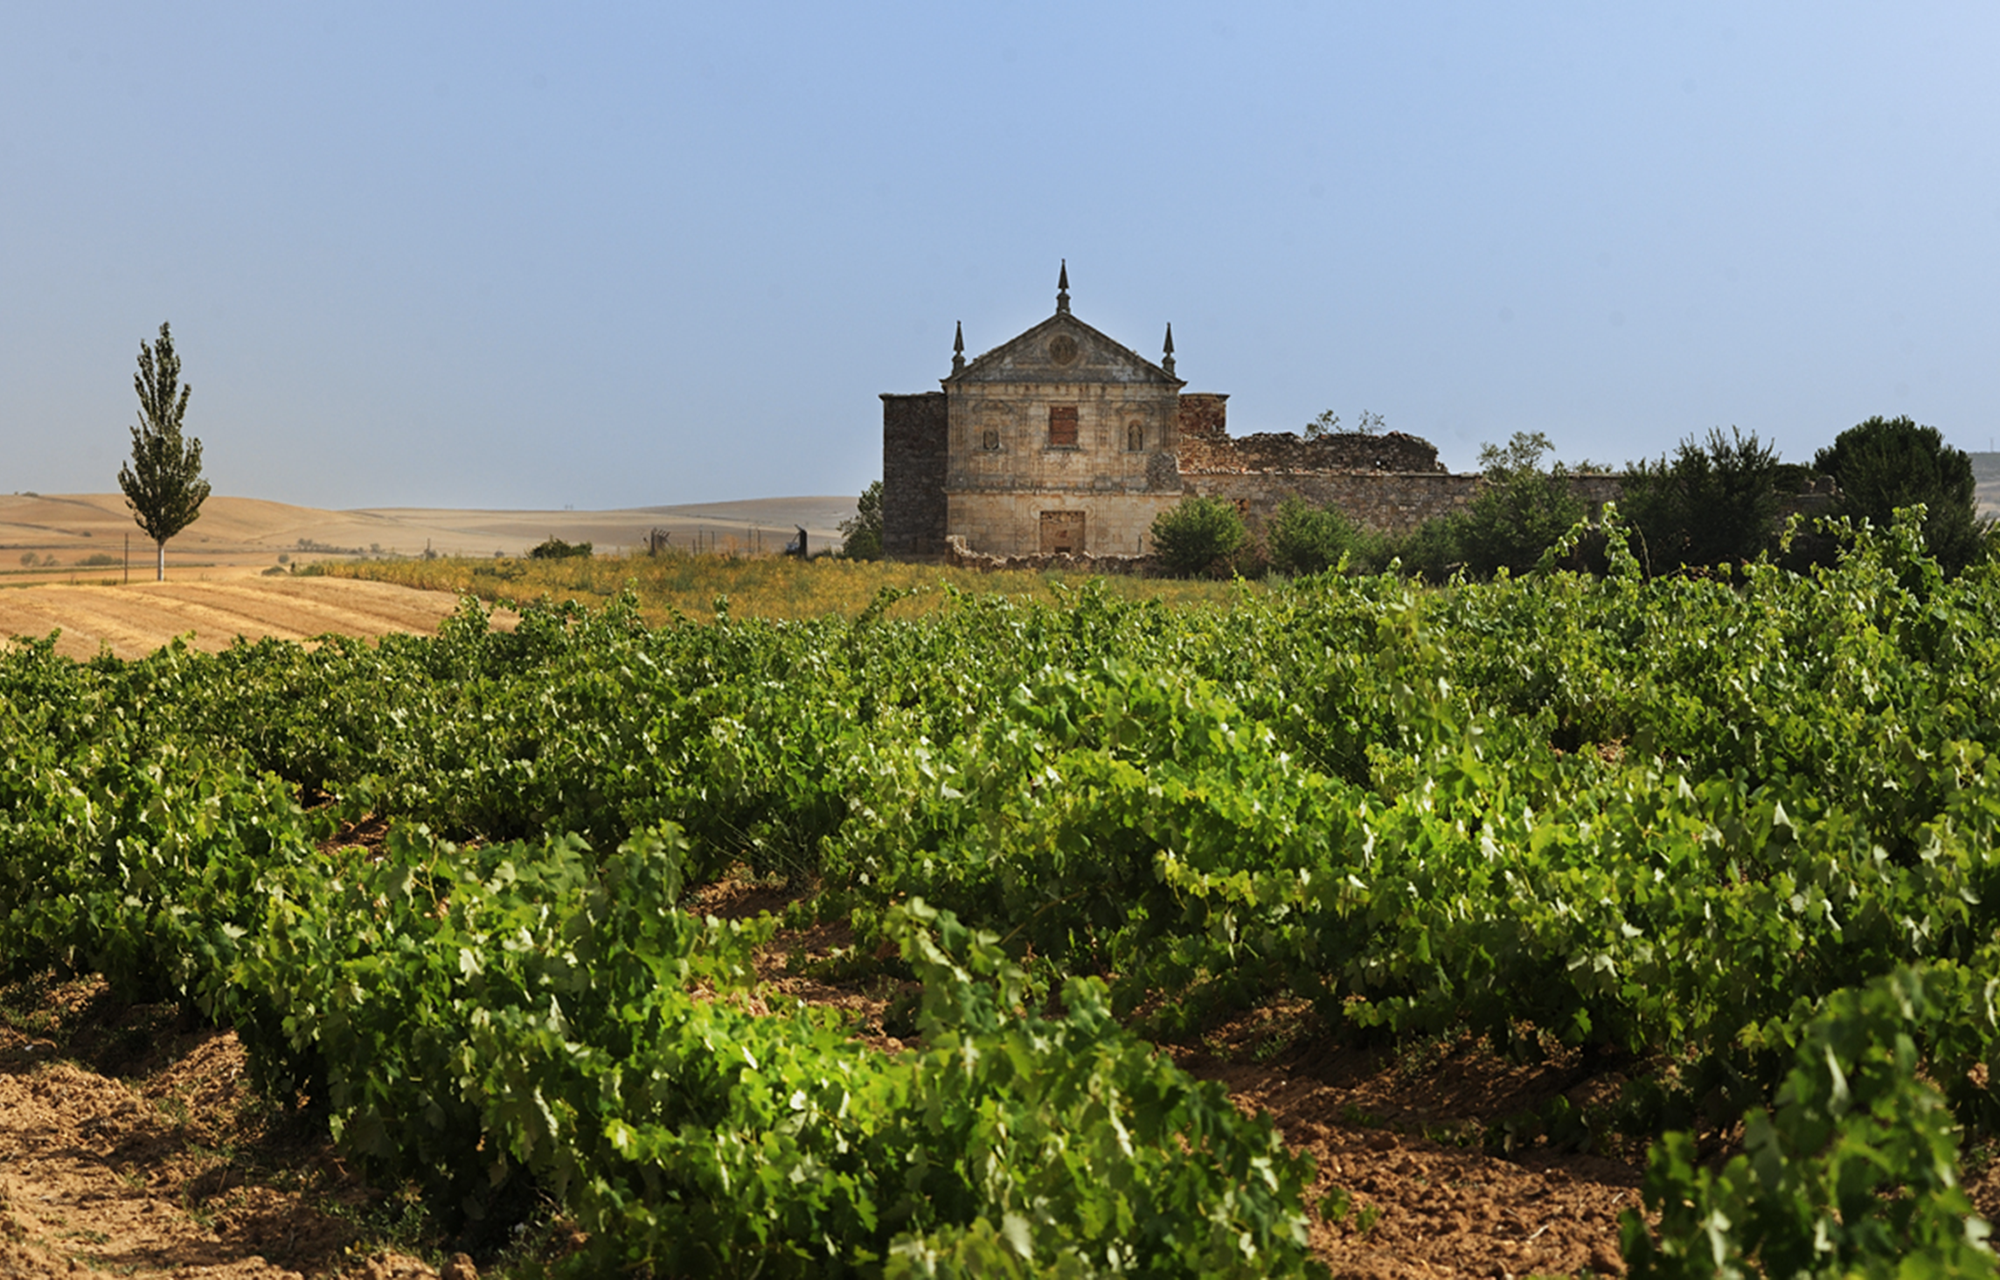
x: 1062, y: 348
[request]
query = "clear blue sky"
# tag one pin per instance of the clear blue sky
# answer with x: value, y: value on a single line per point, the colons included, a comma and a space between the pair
x: 606, y: 255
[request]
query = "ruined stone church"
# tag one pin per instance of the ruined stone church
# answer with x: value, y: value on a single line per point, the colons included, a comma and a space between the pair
x: 1063, y: 441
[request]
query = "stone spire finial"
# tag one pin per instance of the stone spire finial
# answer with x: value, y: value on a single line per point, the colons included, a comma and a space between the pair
x: 1062, y: 289
x: 958, y: 348
x: 1167, y: 361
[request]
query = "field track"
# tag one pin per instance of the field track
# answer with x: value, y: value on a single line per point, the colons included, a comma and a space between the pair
x: 134, y: 620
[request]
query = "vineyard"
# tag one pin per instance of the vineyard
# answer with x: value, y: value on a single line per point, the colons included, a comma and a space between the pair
x: 1735, y: 839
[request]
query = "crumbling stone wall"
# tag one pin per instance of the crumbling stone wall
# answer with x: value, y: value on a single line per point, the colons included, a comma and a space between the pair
x: 1348, y: 451
x: 1201, y: 431
x: 1389, y: 502
x: 1385, y: 501
x: 915, y: 442
x: 960, y: 555
x: 1206, y: 447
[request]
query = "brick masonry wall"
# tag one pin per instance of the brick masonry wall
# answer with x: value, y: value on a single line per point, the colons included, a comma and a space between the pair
x: 914, y: 460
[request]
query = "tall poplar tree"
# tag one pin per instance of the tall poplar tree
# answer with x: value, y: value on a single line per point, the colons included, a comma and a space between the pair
x: 162, y: 483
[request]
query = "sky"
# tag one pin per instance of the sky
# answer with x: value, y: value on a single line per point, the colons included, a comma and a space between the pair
x: 533, y: 256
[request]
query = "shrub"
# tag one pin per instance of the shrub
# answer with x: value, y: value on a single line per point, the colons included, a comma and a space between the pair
x: 556, y: 549
x: 97, y: 560
x: 1435, y: 549
x: 1307, y: 539
x: 1188, y: 539
x: 1520, y: 512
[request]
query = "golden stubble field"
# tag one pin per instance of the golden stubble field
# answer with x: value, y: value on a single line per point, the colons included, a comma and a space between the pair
x: 84, y: 537
x: 132, y: 621
x: 64, y: 563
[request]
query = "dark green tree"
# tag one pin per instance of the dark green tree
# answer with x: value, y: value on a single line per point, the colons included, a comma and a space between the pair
x: 1886, y: 463
x: 162, y: 482
x: 862, y: 533
x: 1194, y: 536
x: 1709, y: 504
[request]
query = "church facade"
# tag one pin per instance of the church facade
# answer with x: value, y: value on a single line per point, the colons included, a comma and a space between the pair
x: 1064, y: 441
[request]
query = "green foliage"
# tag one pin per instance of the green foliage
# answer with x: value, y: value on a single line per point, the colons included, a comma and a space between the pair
x: 1885, y: 464
x: 554, y: 548
x: 1522, y: 452
x: 1197, y: 534
x: 1709, y: 504
x: 863, y: 531
x: 1852, y: 1173
x: 1328, y: 424
x: 1306, y: 539
x: 162, y: 483
x: 1675, y: 818
x: 1520, y: 513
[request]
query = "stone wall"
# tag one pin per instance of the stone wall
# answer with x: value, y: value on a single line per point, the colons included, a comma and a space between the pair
x: 1010, y: 523
x: 1288, y: 451
x: 915, y: 444
x: 1200, y: 421
x: 1001, y: 436
x: 1385, y: 501
x: 960, y: 556
x: 1206, y: 447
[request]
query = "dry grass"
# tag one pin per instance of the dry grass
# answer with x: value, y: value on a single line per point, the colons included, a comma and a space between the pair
x: 756, y: 586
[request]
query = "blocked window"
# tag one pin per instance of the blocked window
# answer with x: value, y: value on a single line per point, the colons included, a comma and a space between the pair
x: 1062, y: 426
x: 1062, y: 532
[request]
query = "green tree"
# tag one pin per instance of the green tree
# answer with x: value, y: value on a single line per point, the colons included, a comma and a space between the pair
x: 1709, y: 504
x: 862, y: 533
x: 1521, y: 510
x: 162, y: 483
x: 1307, y: 539
x: 1190, y: 538
x: 1886, y: 463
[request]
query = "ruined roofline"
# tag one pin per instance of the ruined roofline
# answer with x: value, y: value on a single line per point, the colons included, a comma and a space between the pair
x: 1206, y: 448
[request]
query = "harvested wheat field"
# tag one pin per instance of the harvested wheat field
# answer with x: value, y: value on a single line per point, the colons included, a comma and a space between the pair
x: 132, y: 621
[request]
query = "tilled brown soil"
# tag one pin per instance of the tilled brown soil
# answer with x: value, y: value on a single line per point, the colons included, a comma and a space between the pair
x: 130, y: 1145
